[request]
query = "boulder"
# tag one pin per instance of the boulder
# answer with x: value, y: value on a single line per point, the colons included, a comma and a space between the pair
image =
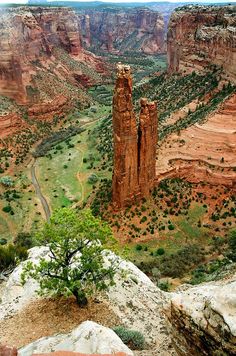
x: 203, y: 319
x: 15, y: 296
x: 88, y: 338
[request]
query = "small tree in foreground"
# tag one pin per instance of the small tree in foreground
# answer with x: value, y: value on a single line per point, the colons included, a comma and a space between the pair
x: 75, y: 265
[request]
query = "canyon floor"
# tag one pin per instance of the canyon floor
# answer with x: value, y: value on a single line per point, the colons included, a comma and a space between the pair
x: 180, y: 213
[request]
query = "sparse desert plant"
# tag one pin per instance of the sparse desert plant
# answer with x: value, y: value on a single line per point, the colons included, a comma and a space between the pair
x: 132, y: 338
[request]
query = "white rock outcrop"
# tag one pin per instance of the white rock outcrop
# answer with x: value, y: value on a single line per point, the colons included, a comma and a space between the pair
x: 15, y: 296
x: 203, y: 319
x: 88, y: 338
x: 134, y: 299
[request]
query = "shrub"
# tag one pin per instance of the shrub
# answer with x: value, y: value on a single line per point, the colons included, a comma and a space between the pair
x: 171, y: 227
x: 7, y: 181
x: 24, y: 239
x: 7, y: 209
x: 3, y: 241
x: 132, y: 338
x: 164, y: 285
x: 138, y: 247
x: 93, y: 178
x: 232, y: 245
x: 160, y: 251
x: 10, y: 255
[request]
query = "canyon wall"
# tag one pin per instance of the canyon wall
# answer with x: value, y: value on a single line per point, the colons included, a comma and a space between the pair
x: 202, y: 35
x: 120, y: 30
x: 134, y: 147
x: 40, y: 53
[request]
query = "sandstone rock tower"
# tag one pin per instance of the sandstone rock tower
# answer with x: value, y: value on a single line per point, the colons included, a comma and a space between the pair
x: 134, y: 147
x: 125, y: 174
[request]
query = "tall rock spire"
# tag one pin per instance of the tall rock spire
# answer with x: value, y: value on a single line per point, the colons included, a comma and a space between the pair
x: 134, y: 148
x: 125, y: 173
x: 147, y: 141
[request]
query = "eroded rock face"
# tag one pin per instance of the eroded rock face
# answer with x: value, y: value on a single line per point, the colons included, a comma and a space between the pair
x: 134, y: 147
x: 40, y: 54
x: 134, y: 299
x: 28, y: 35
x: 203, y: 319
x: 187, y: 155
x: 8, y: 351
x: 125, y: 174
x: 10, y: 123
x: 147, y: 141
x: 199, y: 36
x: 119, y: 30
x: 87, y: 338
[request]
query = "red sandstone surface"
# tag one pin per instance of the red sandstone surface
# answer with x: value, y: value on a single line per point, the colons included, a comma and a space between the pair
x: 199, y: 36
x: 204, y: 152
x: 42, y: 61
x: 123, y: 30
x: 9, y: 124
x: 134, y: 148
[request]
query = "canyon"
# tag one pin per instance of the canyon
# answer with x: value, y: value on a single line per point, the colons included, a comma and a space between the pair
x: 199, y: 36
x: 43, y: 65
x: 117, y: 30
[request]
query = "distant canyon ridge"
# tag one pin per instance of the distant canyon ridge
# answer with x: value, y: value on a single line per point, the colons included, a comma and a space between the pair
x: 46, y: 60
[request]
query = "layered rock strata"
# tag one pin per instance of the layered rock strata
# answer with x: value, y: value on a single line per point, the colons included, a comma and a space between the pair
x: 40, y: 49
x: 202, y: 319
x: 27, y: 36
x: 203, y: 153
x: 122, y: 30
x: 10, y: 123
x: 199, y: 36
x: 134, y: 148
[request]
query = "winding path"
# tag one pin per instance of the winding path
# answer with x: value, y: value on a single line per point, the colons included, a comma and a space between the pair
x: 36, y: 185
x: 39, y: 192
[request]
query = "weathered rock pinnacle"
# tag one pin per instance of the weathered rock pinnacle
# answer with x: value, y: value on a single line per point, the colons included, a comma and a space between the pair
x: 147, y: 140
x: 125, y: 174
x: 134, y: 148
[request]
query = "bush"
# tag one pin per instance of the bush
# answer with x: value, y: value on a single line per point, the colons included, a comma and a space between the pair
x: 93, y: 178
x: 164, y: 285
x: 6, y: 181
x: 10, y: 255
x: 3, y: 241
x: 24, y: 239
x: 160, y: 251
x: 7, y: 209
x: 232, y: 245
x: 132, y: 338
x: 138, y: 247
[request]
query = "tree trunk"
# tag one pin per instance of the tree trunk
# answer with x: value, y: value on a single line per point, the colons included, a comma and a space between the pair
x: 81, y: 298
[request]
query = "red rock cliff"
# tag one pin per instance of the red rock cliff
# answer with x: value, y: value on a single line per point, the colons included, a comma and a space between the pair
x: 125, y: 174
x: 123, y: 30
x: 29, y: 39
x: 134, y: 147
x: 200, y: 35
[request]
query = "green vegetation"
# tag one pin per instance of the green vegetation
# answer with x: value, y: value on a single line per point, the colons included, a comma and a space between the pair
x: 10, y: 255
x: 132, y: 338
x: 75, y: 266
x: 56, y: 137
